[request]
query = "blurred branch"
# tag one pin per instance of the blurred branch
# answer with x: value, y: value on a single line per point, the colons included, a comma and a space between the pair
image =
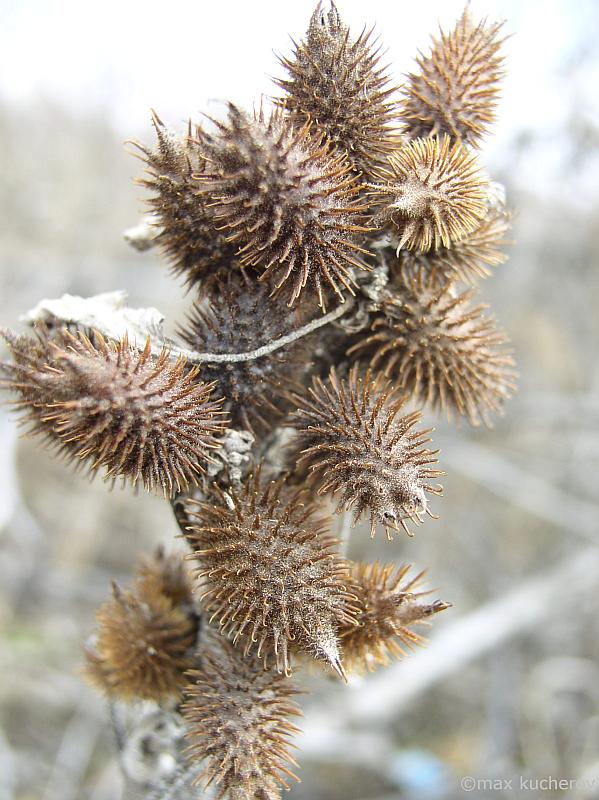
x: 345, y: 532
x: 8, y: 776
x: 73, y: 756
x: 180, y: 787
x: 9, y: 494
x: 532, y: 493
x: 118, y: 728
x: 320, y: 742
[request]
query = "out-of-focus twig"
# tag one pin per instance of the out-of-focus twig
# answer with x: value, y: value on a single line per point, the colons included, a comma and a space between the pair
x: 180, y: 787
x: 73, y: 756
x: 118, y: 727
x: 9, y: 494
x: 534, y: 494
x: 8, y: 777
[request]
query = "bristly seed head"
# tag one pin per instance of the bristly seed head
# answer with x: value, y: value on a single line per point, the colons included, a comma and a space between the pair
x: 439, y: 349
x: 390, y: 607
x: 168, y: 575
x: 356, y: 445
x: 335, y: 80
x: 105, y: 404
x: 430, y: 194
x: 270, y: 574
x: 455, y: 92
x: 145, y: 638
x: 290, y: 205
x: 237, y: 719
x: 189, y: 235
x: 466, y: 260
x: 235, y: 316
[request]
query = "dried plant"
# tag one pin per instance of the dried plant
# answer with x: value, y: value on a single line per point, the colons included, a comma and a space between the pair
x: 141, y: 418
x: 390, y: 607
x: 167, y: 575
x: 440, y: 349
x: 270, y: 574
x: 291, y: 205
x: 466, y: 260
x: 336, y: 81
x: 431, y: 194
x: 146, y: 637
x: 356, y: 445
x: 224, y: 321
x: 188, y: 234
x: 324, y: 252
x: 238, y: 723
x: 455, y: 90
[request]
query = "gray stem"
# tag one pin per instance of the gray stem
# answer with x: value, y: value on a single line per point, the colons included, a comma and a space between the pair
x: 228, y: 358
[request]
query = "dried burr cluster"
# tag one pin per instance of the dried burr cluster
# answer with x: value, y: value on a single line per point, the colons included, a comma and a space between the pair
x: 331, y: 242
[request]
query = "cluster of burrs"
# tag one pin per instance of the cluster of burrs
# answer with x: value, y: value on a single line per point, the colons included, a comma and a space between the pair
x: 332, y: 241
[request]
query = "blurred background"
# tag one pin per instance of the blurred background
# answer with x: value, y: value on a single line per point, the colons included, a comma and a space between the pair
x: 509, y: 683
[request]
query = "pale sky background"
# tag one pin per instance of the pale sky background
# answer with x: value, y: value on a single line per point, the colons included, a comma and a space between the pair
x: 182, y: 57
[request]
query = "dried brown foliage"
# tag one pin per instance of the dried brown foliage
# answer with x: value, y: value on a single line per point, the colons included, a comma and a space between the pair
x: 468, y: 259
x: 390, y: 607
x: 357, y: 445
x: 445, y: 352
x: 189, y: 235
x: 147, y: 420
x: 237, y: 717
x: 167, y: 575
x: 456, y: 87
x: 335, y: 80
x: 270, y: 575
x: 337, y: 198
x: 145, y: 637
x: 290, y: 205
x: 224, y: 321
x: 430, y: 194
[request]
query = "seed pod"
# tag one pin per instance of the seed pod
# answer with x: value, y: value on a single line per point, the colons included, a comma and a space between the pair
x: 441, y: 350
x: 237, y: 718
x: 189, y: 235
x: 236, y: 316
x: 167, y: 575
x: 144, y: 645
x: 289, y: 205
x: 455, y: 90
x: 430, y: 194
x: 356, y: 445
x: 269, y: 571
x: 390, y: 607
x: 336, y: 81
x: 466, y: 260
x: 147, y: 420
